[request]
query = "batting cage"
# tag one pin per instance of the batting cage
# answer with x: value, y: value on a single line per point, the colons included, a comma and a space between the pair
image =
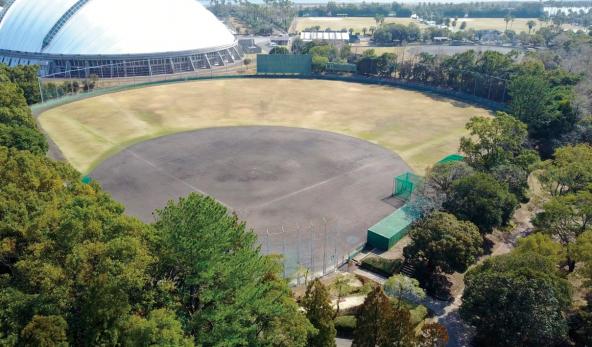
x: 405, y: 185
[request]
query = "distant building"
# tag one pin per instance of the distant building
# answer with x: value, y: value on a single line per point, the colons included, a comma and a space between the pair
x: 248, y: 45
x: 332, y: 37
x: 488, y: 35
x: 114, y: 38
x: 280, y: 40
x: 440, y: 39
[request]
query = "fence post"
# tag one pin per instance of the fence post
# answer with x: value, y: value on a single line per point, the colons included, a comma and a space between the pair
x: 40, y: 89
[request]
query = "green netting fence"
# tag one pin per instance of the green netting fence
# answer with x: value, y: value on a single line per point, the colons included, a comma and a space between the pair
x: 341, y: 67
x: 296, y: 64
x: 405, y: 184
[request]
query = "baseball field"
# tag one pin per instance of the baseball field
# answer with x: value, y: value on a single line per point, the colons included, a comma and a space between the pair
x: 420, y: 127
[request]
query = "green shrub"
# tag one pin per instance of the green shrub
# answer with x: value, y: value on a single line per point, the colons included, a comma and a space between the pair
x: 345, y: 325
x: 382, y: 266
x: 418, y: 314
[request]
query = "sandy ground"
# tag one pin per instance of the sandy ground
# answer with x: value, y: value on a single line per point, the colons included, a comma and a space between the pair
x: 420, y: 127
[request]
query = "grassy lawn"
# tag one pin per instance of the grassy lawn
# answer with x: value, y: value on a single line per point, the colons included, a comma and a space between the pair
x: 338, y: 23
x: 518, y: 25
x: 357, y: 23
x: 422, y: 128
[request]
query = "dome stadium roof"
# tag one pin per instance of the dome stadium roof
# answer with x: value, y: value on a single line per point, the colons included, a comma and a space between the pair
x: 109, y: 27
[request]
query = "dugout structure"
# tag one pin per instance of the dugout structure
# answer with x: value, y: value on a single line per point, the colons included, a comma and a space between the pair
x: 284, y: 64
x: 390, y: 230
x: 451, y: 159
x: 404, y: 185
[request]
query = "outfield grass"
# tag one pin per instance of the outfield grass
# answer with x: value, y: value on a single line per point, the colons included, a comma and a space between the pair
x: 422, y: 128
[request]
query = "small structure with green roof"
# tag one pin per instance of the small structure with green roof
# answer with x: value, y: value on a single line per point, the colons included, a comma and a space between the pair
x: 391, y: 229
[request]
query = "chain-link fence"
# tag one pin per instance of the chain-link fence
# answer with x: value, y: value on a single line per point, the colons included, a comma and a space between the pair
x: 309, y: 250
x: 67, y: 86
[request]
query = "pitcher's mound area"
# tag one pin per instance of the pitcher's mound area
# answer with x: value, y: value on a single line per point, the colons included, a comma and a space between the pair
x: 310, y: 195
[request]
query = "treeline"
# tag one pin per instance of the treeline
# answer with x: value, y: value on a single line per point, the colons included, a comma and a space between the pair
x: 523, y: 298
x: 75, y: 270
x: 55, y: 90
x: 25, y: 78
x: 332, y: 9
x: 426, y: 10
x: 539, y: 34
x: 479, y: 10
x: 258, y: 18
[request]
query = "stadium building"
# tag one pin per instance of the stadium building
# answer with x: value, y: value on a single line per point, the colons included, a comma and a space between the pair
x: 114, y: 38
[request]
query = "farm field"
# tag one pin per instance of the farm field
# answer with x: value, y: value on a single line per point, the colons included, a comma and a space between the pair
x: 421, y: 128
x: 357, y: 23
x: 518, y: 24
x: 338, y: 23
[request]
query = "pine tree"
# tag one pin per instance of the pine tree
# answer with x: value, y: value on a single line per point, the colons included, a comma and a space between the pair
x: 320, y: 313
x: 382, y: 324
x: 396, y: 328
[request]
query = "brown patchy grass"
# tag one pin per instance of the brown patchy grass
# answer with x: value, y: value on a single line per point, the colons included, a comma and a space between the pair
x: 338, y: 23
x: 422, y: 128
x: 357, y: 23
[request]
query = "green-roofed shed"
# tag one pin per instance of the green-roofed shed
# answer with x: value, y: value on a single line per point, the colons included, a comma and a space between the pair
x: 391, y: 229
x: 451, y: 158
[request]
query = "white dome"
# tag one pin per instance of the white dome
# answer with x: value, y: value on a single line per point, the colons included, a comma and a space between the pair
x: 111, y: 27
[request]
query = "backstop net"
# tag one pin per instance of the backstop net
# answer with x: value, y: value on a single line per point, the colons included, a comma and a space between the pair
x: 289, y: 64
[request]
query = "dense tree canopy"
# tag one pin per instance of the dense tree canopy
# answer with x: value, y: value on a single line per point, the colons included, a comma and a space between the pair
x: 544, y: 103
x: 496, y: 141
x: 224, y: 289
x: 542, y: 245
x: 569, y: 171
x: 437, y: 186
x: 499, y: 146
x: 25, y: 77
x: 75, y: 270
x: 516, y: 300
x: 68, y: 253
x: 442, y: 244
x: 483, y: 200
x: 23, y: 138
x: 565, y: 217
x: 73, y: 263
x: 13, y: 107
